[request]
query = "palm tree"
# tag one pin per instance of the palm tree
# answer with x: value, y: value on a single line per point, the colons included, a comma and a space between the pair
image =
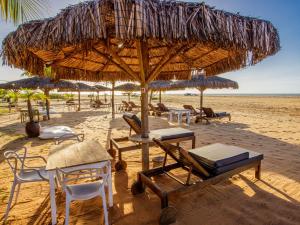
x: 22, y: 10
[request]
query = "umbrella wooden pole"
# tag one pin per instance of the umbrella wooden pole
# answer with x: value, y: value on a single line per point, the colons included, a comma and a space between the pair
x: 113, y: 100
x: 150, y: 98
x: 143, y: 55
x: 159, y: 96
x: 78, y: 100
x: 128, y: 97
x: 201, y: 104
x: 145, y: 125
x: 97, y: 95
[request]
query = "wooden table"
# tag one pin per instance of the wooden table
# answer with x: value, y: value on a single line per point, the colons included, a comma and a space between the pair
x: 84, y: 155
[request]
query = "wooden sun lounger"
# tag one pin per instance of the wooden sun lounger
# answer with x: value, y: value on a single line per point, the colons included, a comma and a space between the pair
x: 170, y: 135
x: 125, y: 107
x: 155, y: 110
x: 193, y: 111
x: 134, y: 106
x: 162, y: 107
x: 210, y: 114
x: 210, y: 164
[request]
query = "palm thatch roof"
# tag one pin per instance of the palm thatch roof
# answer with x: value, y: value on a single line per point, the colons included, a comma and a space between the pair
x: 202, y: 82
x: 128, y: 87
x: 101, y: 88
x: 106, y: 40
x: 38, y: 83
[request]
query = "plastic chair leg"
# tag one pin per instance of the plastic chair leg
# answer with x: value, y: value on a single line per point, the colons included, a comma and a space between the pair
x: 12, y: 191
x: 18, y: 191
x: 104, y: 205
x: 68, y: 202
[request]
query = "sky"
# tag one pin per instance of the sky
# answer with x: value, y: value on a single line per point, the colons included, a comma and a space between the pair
x: 276, y: 74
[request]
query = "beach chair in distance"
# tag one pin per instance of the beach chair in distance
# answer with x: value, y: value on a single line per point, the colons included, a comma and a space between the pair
x: 172, y: 135
x: 162, y: 107
x: 209, y: 164
x: 133, y: 105
x: 193, y: 111
x: 210, y: 114
x: 155, y: 110
x: 125, y: 107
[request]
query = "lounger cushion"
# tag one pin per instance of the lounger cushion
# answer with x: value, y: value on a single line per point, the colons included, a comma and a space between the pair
x: 253, y: 156
x: 133, y: 117
x: 171, y: 133
x: 54, y: 132
x: 220, y: 158
x: 218, y: 155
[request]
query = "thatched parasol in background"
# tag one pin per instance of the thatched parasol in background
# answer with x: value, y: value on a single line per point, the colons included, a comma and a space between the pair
x: 43, y: 83
x: 79, y: 87
x: 101, y: 88
x: 161, y: 85
x: 128, y: 88
x: 139, y: 40
x: 201, y: 82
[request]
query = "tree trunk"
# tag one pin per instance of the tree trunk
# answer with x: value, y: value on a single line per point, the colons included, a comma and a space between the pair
x: 30, y: 111
x: 113, y: 100
x: 46, y: 92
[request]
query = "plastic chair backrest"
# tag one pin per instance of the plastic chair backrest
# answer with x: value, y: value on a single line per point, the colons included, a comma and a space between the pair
x: 88, y: 173
x: 15, y: 160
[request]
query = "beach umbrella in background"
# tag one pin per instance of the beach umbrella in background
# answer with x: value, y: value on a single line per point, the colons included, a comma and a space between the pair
x: 101, y: 88
x: 79, y: 87
x: 128, y: 88
x: 138, y: 41
x: 161, y: 85
x: 43, y: 83
x: 201, y: 82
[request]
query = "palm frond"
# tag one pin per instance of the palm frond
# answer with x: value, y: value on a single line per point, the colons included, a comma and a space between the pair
x: 23, y: 10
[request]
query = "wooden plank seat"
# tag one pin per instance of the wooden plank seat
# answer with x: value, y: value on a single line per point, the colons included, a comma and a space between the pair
x: 209, y: 164
x: 170, y: 135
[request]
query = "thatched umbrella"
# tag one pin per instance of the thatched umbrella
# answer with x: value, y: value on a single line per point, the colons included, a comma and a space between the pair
x: 161, y: 85
x: 44, y: 83
x: 201, y: 82
x: 139, y: 41
x: 128, y: 88
x: 100, y: 88
x: 79, y: 87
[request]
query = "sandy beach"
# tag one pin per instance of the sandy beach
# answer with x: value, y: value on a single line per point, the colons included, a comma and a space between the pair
x: 269, y: 125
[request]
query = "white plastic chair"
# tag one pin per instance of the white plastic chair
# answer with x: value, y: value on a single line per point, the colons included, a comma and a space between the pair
x: 92, y: 186
x: 23, y: 173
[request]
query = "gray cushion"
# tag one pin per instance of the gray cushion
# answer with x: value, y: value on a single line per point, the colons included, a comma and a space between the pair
x: 170, y: 133
x: 220, y: 158
x: 217, y: 155
x: 253, y: 156
x: 133, y: 117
